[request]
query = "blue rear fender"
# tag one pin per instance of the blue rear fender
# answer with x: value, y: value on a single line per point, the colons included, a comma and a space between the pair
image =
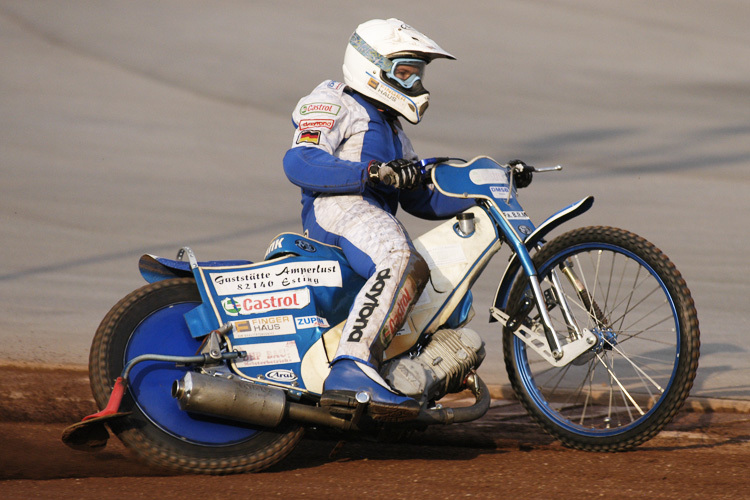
x: 154, y: 268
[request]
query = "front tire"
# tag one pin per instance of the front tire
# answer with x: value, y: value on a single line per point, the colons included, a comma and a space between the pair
x: 150, y: 321
x: 633, y: 381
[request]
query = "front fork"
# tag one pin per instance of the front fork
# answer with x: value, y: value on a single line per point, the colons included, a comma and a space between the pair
x: 548, y: 345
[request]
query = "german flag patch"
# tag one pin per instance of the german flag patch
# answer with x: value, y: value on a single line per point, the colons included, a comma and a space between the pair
x: 309, y: 137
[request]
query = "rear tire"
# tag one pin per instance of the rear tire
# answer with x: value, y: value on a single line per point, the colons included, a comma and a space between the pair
x: 149, y: 320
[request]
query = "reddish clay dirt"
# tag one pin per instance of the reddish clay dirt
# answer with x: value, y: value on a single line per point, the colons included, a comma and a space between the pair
x: 503, y: 455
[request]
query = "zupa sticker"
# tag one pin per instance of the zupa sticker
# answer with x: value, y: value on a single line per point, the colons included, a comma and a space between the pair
x: 303, y: 322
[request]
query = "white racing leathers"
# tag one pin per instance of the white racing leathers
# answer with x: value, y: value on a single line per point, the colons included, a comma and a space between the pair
x: 338, y: 133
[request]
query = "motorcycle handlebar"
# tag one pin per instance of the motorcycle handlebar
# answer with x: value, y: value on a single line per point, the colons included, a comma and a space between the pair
x: 426, y: 162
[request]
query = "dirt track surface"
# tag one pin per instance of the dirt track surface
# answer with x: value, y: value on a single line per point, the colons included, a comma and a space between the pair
x: 503, y: 455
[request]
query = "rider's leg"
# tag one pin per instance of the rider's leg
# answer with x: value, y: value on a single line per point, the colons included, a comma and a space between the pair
x: 379, y: 249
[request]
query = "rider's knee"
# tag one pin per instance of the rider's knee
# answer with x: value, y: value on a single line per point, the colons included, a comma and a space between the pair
x: 418, y: 269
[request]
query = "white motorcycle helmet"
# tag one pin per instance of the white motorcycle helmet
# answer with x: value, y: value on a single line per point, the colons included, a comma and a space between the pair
x: 385, y: 61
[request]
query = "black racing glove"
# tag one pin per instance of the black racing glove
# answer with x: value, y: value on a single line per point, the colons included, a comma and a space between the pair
x: 522, y: 173
x: 401, y: 173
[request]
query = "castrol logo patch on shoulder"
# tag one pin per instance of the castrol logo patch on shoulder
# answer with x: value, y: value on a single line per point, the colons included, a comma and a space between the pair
x: 320, y: 107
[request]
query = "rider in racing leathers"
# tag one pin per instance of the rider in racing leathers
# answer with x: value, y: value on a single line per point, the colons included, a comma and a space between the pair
x: 355, y: 166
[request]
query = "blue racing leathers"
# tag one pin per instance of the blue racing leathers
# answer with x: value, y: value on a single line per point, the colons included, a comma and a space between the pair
x: 338, y: 133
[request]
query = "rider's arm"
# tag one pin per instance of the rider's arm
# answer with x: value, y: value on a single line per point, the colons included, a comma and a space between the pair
x: 317, y: 170
x: 429, y: 203
x: 318, y: 161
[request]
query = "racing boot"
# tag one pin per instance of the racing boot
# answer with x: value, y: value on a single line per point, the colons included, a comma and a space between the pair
x: 349, y: 377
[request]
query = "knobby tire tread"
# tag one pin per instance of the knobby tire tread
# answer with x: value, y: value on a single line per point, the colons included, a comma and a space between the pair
x: 136, y: 431
x: 690, y: 340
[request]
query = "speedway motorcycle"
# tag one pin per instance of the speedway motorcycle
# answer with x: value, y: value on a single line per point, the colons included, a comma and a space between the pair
x: 218, y: 367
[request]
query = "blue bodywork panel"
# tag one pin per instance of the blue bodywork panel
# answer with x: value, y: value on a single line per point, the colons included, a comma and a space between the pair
x: 484, y: 178
x: 278, y: 307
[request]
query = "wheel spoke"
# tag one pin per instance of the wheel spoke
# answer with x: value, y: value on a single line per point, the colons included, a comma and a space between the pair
x: 624, y: 287
x: 623, y: 390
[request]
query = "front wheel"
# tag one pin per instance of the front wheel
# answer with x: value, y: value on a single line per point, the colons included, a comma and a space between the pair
x: 150, y: 321
x: 637, y: 375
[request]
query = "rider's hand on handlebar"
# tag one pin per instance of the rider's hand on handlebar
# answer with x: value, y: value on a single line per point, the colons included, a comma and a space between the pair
x: 401, y: 173
x: 522, y: 173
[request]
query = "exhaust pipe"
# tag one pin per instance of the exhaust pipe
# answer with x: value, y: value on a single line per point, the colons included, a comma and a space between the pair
x: 267, y: 406
x: 246, y: 402
x: 231, y: 399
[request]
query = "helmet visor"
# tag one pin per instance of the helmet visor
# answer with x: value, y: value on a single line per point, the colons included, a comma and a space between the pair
x: 406, y: 71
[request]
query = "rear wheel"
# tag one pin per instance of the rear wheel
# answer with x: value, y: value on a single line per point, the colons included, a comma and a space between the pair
x: 150, y: 321
x: 631, y: 383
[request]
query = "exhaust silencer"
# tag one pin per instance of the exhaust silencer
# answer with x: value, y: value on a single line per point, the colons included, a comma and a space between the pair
x: 230, y: 399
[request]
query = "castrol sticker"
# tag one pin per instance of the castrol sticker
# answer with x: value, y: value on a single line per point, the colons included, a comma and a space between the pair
x: 265, y: 302
x: 266, y: 326
x: 320, y: 107
x: 272, y: 353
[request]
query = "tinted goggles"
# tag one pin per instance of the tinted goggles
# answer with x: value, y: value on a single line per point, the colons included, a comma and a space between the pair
x: 406, y: 71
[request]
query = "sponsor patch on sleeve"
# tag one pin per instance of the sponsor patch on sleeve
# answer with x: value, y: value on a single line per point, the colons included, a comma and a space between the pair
x: 309, y: 137
x: 308, y: 123
x: 326, y: 108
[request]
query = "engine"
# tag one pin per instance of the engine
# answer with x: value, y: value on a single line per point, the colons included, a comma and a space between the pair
x: 439, y: 368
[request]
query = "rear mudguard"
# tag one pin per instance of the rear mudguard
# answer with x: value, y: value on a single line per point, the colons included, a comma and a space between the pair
x: 154, y: 268
x: 535, y: 238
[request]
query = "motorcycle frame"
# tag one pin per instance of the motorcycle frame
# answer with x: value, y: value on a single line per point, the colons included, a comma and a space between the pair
x: 485, y: 190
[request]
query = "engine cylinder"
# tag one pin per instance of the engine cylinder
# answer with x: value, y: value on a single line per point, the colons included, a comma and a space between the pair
x: 440, y: 368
